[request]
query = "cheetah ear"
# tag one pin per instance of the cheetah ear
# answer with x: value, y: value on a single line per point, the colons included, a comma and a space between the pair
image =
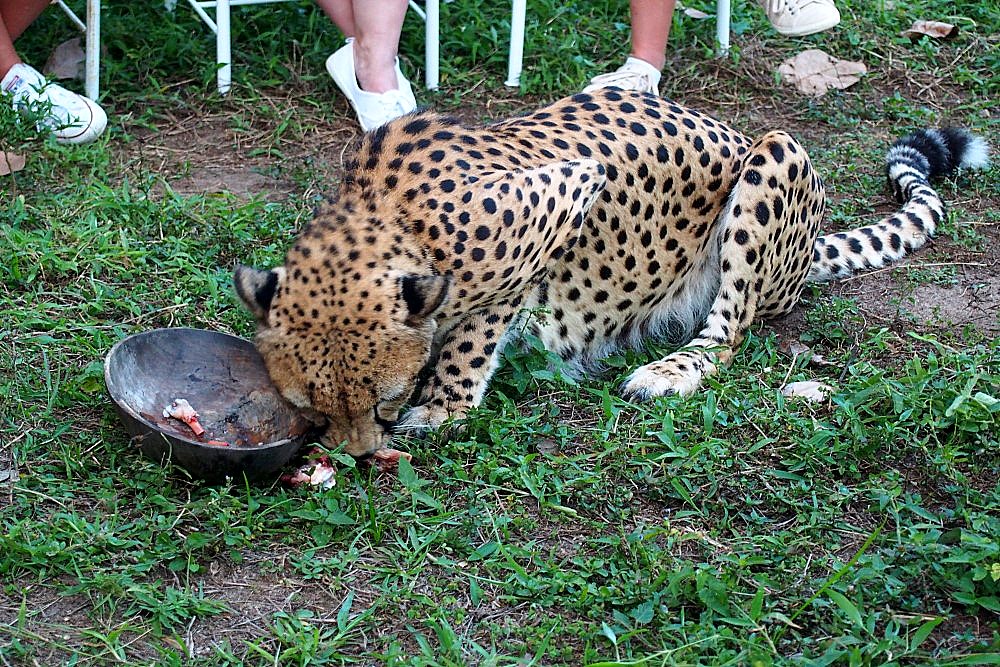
x: 256, y: 288
x: 424, y: 295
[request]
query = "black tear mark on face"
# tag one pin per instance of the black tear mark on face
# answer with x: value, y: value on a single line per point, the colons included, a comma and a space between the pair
x: 265, y: 292
x: 413, y: 295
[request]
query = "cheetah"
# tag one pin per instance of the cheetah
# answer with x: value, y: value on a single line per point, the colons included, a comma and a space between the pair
x: 596, y: 223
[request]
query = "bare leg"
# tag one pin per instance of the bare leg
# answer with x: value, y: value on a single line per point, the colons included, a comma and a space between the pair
x: 379, y: 25
x: 341, y: 12
x: 375, y: 27
x: 651, y: 20
x: 15, y: 17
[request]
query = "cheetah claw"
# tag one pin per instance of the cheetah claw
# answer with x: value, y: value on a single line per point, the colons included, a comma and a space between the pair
x: 423, y: 419
x: 647, y: 382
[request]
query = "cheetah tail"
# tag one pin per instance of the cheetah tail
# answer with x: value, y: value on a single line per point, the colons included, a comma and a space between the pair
x: 911, y: 164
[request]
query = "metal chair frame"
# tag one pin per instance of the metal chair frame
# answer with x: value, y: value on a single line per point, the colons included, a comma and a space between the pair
x: 92, y: 50
x: 429, y: 12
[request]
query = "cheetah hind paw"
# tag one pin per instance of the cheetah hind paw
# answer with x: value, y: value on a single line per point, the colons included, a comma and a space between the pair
x: 422, y: 419
x: 676, y: 374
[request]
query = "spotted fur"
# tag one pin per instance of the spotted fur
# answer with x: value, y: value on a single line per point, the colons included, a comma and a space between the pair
x: 598, y: 221
x: 911, y: 164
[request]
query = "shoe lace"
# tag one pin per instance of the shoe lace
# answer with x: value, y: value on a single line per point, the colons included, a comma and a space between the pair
x: 626, y: 79
x: 394, y: 103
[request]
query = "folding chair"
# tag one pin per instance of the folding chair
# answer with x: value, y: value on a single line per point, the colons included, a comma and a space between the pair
x: 429, y: 12
x: 723, y: 15
x: 92, y: 35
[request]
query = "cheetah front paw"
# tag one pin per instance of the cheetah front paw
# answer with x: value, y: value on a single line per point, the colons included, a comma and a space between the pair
x: 420, y: 420
x: 679, y: 373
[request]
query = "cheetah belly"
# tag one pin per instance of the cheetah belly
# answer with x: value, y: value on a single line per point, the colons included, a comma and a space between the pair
x: 646, y: 264
x: 591, y: 317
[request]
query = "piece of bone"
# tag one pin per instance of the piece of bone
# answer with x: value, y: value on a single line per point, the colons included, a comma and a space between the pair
x: 387, y: 460
x: 180, y: 409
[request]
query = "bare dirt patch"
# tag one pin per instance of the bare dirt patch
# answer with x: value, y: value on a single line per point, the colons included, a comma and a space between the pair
x: 973, y: 300
x: 946, y: 287
x: 242, y: 182
x: 288, y: 148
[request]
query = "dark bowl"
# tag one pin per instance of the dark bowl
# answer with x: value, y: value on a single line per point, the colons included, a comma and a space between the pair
x: 225, y: 381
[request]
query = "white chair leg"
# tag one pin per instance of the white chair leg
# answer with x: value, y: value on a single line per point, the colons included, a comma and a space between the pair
x: 223, y: 49
x: 515, y: 61
x: 722, y: 19
x: 92, y: 67
x: 432, y: 43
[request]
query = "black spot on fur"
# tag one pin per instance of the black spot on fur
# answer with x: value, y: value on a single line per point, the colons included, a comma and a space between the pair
x: 416, y: 126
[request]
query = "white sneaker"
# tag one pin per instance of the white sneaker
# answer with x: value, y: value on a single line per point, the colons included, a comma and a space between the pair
x: 797, y: 18
x: 373, y: 109
x: 635, y: 74
x: 72, y: 118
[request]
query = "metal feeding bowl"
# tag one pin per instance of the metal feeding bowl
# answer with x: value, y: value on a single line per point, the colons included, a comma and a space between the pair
x: 225, y: 381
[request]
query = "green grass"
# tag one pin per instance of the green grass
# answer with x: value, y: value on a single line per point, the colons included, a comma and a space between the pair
x: 562, y: 525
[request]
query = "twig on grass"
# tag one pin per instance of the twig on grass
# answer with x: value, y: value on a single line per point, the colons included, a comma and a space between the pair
x: 928, y: 265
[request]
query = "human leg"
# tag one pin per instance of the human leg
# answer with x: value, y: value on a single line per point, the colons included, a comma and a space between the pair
x: 8, y: 56
x: 15, y: 16
x: 366, y: 69
x: 341, y: 12
x: 378, y: 26
x: 375, y: 28
x: 651, y: 20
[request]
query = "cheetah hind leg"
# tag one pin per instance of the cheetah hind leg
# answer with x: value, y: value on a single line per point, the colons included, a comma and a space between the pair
x: 768, y: 229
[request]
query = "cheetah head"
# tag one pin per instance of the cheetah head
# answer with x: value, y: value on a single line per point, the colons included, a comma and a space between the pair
x: 347, y: 324
x: 341, y: 340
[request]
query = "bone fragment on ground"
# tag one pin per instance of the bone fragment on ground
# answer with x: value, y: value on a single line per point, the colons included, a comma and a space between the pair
x: 387, y: 460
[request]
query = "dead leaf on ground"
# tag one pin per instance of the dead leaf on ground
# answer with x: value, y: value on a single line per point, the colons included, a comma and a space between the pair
x: 548, y: 446
x: 811, y: 390
x: 814, y: 72
x: 690, y: 11
x: 10, y: 163
x: 797, y: 349
x: 931, y: 29
x: 820, y: 360
x: 793, y: 348
x: 695, y: 13
x: 66, y: 60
